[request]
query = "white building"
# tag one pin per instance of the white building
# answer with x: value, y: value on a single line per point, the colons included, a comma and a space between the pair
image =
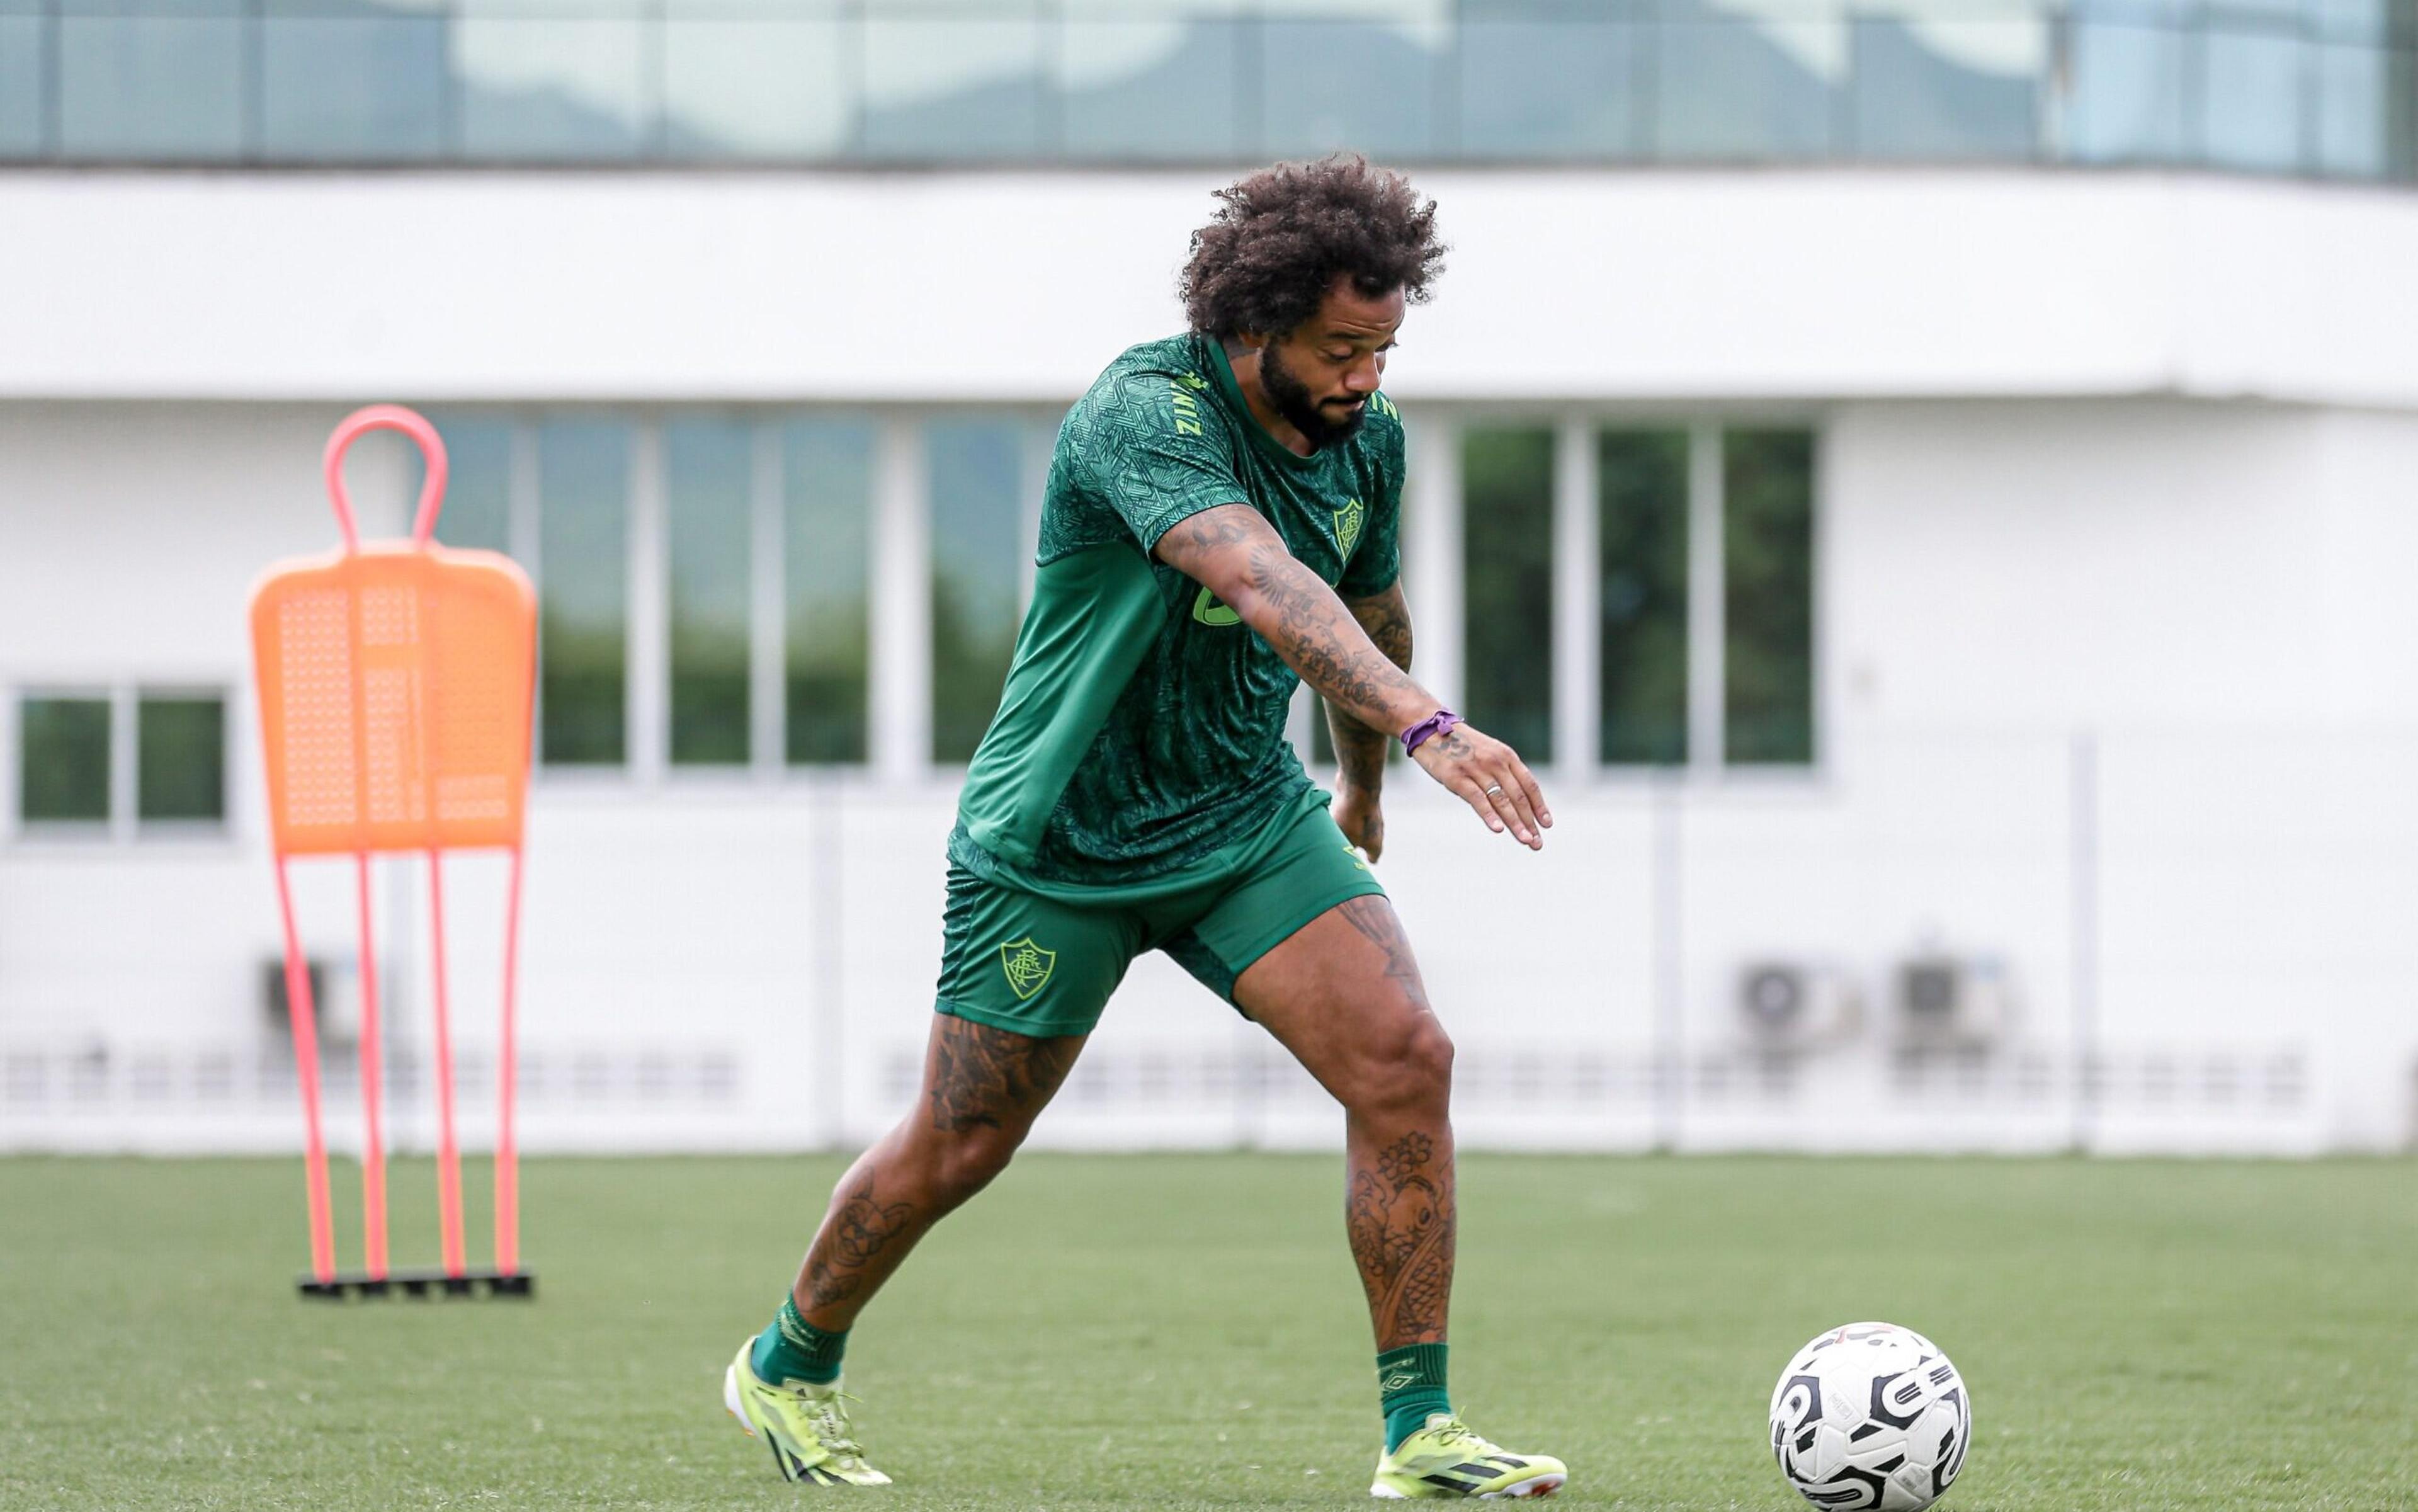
x: 1924, y: 486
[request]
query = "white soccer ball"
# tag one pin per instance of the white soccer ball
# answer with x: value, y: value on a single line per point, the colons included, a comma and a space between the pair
x: 1870, y: 1418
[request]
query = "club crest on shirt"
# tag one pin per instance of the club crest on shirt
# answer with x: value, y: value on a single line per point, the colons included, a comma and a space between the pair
x: 1027, y: 965
x: 1347, y: 525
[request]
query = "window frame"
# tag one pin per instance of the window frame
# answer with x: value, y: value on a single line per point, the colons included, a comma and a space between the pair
x: 123, y: 825
x: 647, y: 769
x: 897, y: 582
x: 1575, y: 585
x: 652, y: 122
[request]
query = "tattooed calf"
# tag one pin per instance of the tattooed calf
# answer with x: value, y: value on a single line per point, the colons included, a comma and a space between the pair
x: 856, y: 1234
x: 1400, y: 1218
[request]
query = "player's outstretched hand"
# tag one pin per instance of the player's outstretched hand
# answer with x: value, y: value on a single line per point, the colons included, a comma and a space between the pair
x: 1491, y: 778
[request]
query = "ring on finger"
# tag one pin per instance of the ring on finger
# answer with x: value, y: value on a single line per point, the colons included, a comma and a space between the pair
x: 1495, y: 791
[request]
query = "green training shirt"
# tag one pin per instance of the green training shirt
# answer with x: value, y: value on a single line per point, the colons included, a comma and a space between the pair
x: 1141, y: 738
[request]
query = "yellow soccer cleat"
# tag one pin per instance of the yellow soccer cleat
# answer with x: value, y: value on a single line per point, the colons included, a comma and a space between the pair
x: 806, y: 1425
x: 1445, y: 1458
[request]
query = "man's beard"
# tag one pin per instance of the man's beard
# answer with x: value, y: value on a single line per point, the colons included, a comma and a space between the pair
x: 1293, y: 401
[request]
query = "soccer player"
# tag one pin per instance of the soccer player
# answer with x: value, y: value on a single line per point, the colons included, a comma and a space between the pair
x: 1221, y: 521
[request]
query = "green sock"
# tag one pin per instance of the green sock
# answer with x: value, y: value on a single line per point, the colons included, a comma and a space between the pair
x: 1410, y: 1385
x: 795, y: 1349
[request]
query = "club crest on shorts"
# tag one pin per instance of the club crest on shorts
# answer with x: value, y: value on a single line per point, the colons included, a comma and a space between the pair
x: 1027, y: 965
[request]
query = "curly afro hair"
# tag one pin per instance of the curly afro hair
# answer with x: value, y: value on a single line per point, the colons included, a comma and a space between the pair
x: 1286, y: 232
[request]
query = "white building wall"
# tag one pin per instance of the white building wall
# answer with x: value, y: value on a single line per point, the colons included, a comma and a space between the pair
x: 2115, y: 683
x: 2203, y: 591
x: 990, y: 287
x: 2112, y: 564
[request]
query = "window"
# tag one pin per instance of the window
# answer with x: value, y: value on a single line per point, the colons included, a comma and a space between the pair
x: 1768, y: 594
x: 2359, y: 88
x: 73, y: 770
x: 1164, y: 87
x: 24, y: 106
x: 2125, y: 100
x: 709, y: 468
x: 63, y: 760
x: 2301, y: 85
x: 1733, y: 86
x: 978, y: 540
x: 180, y: 758
x: 1327, y: 84
x: 1507, y: 565
x: 744, y: 83
x: 957, y: 86
x: 1700, y: 607
x: 1642, y: 596
x: 1932, y: 86
x: 363, y: 85
x: 478, y: 512
x: 827, y: 497
x: 766, y: 658
x: 570, y: 86
x: 1550, y: 85
x: 152, y: 79
x: 583, y: 558
x: 2251, y: 71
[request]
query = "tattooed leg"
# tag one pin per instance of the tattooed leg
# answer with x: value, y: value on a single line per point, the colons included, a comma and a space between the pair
x: 987, y: 1078
x: 982, y: 1088
x: 1344, y: 995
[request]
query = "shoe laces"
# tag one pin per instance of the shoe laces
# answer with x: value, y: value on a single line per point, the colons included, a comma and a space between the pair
x: 831, y: 1427
x: 1458, y: 1435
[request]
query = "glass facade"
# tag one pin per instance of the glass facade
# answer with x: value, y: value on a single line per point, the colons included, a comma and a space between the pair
x: 145, y: 79
x: 1767, y: 597
x: 1507, y: 584
x: 349, y: 82
x: 827, y: 499
x: 1642, y: 597
x: 975, y: 470
x: 765, y: 547
x: 710, y: 481
x: 2299, y: 87
x: 582, y: 591
x: 477, y: 508
x: 1646, y: 656
x: 770, y: 565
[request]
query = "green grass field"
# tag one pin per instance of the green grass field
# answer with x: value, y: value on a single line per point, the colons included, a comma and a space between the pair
x: 1186, y: 1331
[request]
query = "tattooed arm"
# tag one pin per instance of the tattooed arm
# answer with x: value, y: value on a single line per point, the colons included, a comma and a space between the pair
x: 1360, y: 751
x: 1360, y: 748
x: 1238, y: 556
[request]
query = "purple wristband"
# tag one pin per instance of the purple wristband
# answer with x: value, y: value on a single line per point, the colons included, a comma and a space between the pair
x: 1435, y: 724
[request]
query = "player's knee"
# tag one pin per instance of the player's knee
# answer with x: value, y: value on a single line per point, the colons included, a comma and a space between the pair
x: 966, y: 1161
x: 1409, y: 1067
x: 1428, y: 1060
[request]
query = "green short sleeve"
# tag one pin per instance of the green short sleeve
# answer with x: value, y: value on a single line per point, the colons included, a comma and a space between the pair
x: 1159, y: 455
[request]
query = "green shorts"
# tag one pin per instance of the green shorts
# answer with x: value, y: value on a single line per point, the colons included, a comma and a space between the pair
x: 1042, y: 966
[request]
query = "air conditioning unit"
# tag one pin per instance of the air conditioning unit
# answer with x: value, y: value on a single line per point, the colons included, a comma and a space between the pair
x: 1788, y: 1005
x: 1953, y: 1001
x: 335, y: 1000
